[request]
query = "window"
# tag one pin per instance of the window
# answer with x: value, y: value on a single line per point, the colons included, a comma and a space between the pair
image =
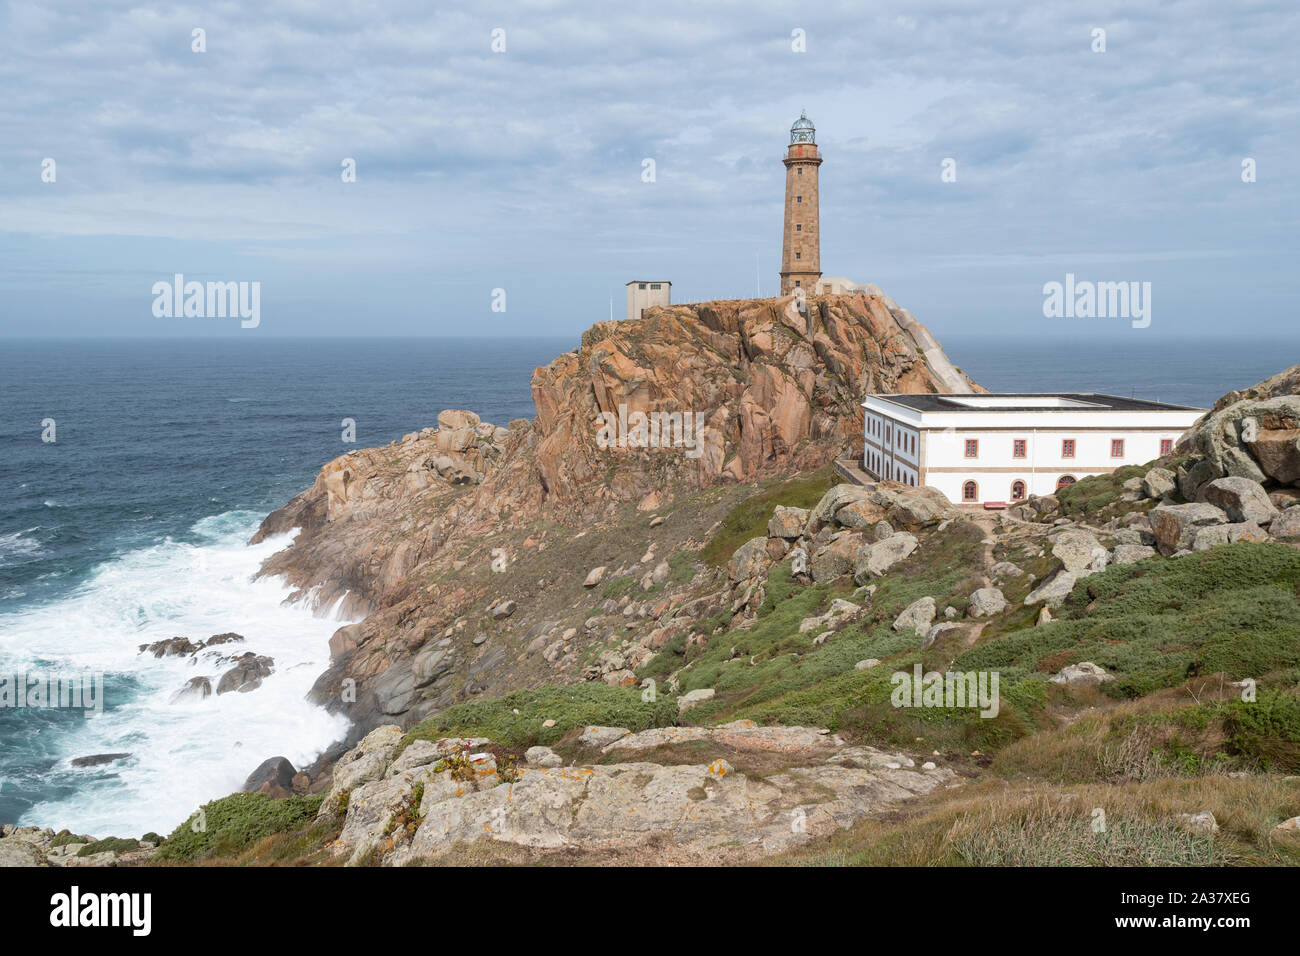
x: 1067, y: 449
x: 1018, y: 448
x: 641, y: 285
x: 1064, y: 482
x: 797, y: 283
x: 1017, y: 490
x: 798, y: 227
x: 1117, y: 448
x: 798, y: 199
x: 970, y: 491
x: 972, y: 448
x: 656, y: 285
x: 799, y: 170
x: 1166, y: 447
x: 798, y: 255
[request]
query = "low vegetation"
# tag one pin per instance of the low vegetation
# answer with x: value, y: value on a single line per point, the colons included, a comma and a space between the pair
x: 516, y: 720
x: 234, y: 824
x: 749, y: 518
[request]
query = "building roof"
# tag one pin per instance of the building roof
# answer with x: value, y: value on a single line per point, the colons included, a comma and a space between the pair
x: 1030, y: 402
x: 639, y: 281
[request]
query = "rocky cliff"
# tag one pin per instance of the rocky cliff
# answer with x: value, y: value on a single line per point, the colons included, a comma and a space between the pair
x: 408, y: 536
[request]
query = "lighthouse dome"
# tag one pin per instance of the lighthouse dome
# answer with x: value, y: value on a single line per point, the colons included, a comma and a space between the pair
x: 803, y: 130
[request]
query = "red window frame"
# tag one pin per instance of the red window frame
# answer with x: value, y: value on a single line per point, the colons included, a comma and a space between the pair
x: 972, y: 447
x: 1019, y: 447
x: 970, y: 490
x: 1166, y: 447
x: 1067, y: 447
x: 1117, y: 443
x: 1064, y: 481
x: 1018, y: 485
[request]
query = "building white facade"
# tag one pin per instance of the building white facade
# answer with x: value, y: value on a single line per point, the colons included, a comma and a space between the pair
x: 641, y: 295
x: 980, y: 449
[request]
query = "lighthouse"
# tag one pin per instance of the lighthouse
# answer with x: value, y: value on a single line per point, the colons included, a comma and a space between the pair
x: 801, y: 260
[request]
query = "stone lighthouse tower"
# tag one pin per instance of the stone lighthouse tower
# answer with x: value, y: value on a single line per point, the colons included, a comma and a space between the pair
x: 801, y: 258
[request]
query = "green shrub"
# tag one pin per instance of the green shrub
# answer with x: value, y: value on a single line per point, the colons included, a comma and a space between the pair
x: 110, y: 844
x: 235, y: 823
x: 569, y: 706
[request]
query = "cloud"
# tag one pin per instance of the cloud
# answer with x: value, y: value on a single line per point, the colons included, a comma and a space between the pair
x: 528, y: 163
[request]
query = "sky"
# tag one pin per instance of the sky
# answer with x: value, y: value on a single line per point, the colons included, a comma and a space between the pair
x: 501, y: 152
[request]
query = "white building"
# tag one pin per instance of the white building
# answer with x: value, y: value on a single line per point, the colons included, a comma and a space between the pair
x: 641, y: 295
x: 999, y: 448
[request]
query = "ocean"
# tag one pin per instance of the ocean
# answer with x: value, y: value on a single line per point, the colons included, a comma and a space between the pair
x: 133, y: 525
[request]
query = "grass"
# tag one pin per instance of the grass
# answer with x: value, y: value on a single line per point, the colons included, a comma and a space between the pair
x: 233, y: 824
x: 993, y: 823
x: 570, y: 706
x: 749, y: 518
x: 1233, y: 609
x: 772, y: 674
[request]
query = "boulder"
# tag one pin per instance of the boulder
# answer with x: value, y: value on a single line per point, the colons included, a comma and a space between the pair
x: 457, y: 430
x: 594, y: 577
x: 823, y: 513
x: 228, y: 638
x: 504, y: 609
x: 196, y: 688
x: 1239, y: 498
x: 1286, y: 524
x: 172, y: 647
x: 1193, y: 474
x: 866, y: 665
x: 917, y: 616
x: 1085, y: 672
x: 688, y: 700
x: 1005, y: 569
x: 839, y: 612
x: 860, y: 515
x: 787, y: 523
x: 1080, y: 552
x: 1253, y: 438
x: 873, y: 560
x: 543, y: 757
x: 1159, y: 483
x: 595, y: 736
x: 913, y: 506
x: 1202, y: 822
x: 1218, y: 534
x: 986, y: 602
x: 835, y: 559
x: 98, y: 760
x: 1131, y: 553
x: 1175, y: 526
x: 750, y: 561
x: 937, y: 631
x: 273, y: 777
x: 1054, y: 589
x: 246, y: 675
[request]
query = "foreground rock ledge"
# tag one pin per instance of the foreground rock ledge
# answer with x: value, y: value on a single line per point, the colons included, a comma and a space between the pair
x: 404, y: 813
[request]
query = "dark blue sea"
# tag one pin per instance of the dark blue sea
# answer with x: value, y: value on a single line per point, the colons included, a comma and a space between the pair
x: 132, y: 527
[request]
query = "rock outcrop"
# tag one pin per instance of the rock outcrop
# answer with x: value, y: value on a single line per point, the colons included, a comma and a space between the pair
x: 721, y: 392
x: 427, y: 802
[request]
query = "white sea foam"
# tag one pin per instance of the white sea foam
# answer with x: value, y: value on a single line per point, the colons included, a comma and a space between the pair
x: 17, y: 545
x: 184, y: 754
